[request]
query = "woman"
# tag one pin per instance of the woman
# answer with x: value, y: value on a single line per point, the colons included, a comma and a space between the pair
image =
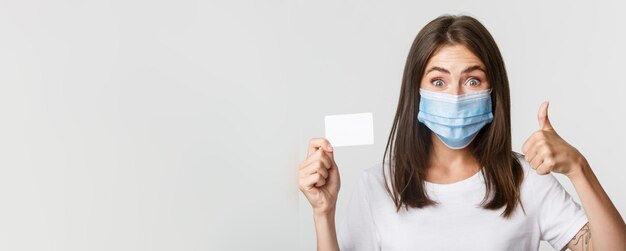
x: 453, y: 181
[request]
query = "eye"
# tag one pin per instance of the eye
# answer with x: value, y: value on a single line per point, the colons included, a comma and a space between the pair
x: 437, y: 82
x: 472, y: 82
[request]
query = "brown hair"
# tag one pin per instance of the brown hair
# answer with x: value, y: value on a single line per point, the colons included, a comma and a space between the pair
x: 409, y: 143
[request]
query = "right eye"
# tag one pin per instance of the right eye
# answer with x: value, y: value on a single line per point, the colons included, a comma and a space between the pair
x: 437, y: 82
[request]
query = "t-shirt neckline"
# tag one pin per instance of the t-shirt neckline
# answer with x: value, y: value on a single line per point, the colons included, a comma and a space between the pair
x: 456, y: 185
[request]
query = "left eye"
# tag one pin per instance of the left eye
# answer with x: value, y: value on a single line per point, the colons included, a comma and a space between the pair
x: 473, y: 82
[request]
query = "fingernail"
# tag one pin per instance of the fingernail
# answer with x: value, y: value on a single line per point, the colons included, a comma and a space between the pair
x: 330, y: 147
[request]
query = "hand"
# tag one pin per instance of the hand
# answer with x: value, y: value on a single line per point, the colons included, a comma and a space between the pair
x: 547, y: 152
x: 319, y: 176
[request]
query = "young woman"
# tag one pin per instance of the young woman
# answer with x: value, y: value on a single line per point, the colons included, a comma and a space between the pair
x: 452, y: 181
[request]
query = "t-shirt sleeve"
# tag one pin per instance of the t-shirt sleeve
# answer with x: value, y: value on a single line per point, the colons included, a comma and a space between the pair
x: 357, y: 231
x: 560, y: 217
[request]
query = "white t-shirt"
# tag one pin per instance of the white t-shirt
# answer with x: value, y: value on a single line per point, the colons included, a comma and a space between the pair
x: 458, y: 222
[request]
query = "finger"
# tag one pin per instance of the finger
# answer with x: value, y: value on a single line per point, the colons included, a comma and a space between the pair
x: 544, y: 168
x: 536, y: 161
x: 326, y: 160
x: 535, y: 149
x: 526, y: 146
x: 333, y: 163
x: 322, y: 170
x: 320, y: 182
x: 317, y: 156
x: 529, y: 143
x: 308, y: 183
x: 316, y: 143
x: 313, y: 180
x: 315, y: 167
x: 542, y: 117
x: 333, y: 175
x: 530, y: 155
x: 547, y: 165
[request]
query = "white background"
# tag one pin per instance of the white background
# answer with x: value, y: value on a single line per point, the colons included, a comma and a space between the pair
x: 179, y: 125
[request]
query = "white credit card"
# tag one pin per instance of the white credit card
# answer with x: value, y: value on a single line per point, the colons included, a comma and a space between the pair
x: 350, y: 129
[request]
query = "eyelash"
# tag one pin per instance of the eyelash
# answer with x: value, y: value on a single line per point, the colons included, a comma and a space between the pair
x: 477, y: 81
x: 470, y: 79
x: 435, y: 80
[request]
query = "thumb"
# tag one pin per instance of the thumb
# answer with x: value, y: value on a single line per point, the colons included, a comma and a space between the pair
x: 333, y: 181
x: 542, y: 117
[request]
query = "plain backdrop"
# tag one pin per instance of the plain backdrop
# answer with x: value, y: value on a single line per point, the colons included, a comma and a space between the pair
x: 179, y: 125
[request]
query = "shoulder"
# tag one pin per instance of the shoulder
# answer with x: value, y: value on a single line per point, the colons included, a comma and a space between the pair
x: 374, y: 172
x: 521, y: 159
x: 530, y: 175
x: 558, y: 216
x: 536, y: 186
x: 373, y: 179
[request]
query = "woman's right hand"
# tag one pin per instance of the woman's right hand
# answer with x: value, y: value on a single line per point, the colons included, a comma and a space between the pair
x: 319, y: 177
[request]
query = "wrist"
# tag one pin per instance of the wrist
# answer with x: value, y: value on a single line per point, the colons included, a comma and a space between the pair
x: 580, y: 169
x: 324, y: 214
x: 324, y: 222
x: 325, y: 230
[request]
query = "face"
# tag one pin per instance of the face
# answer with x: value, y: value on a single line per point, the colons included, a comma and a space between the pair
x: 455, y: 70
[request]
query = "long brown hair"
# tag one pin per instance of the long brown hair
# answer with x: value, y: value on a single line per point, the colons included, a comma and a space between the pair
x: 409, y: 144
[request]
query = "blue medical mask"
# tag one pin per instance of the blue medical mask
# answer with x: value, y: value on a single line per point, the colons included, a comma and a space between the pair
x: 455, y: 119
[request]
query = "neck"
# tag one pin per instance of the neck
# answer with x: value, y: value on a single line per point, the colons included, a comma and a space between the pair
x: 446, y: 160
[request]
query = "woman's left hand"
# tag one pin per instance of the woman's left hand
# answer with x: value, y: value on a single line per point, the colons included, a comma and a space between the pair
x: 547, y: 152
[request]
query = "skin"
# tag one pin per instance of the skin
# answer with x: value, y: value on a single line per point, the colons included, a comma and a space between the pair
x: 319, y: 182
x: 548, y: 152
x: 455, y: 70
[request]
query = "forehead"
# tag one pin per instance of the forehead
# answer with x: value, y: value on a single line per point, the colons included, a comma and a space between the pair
x: 450, y: 56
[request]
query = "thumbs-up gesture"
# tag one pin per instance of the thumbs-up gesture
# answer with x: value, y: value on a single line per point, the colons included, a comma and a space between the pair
x: 547, y: 152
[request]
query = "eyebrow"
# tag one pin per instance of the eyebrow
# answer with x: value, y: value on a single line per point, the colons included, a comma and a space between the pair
x: 467, y: 70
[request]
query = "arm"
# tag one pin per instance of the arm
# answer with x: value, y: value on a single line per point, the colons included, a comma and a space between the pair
x: 320, y: 183
x: 581, y: 241
x: 548, y: 152
x: 605, y: 223
x: 325, y: 231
